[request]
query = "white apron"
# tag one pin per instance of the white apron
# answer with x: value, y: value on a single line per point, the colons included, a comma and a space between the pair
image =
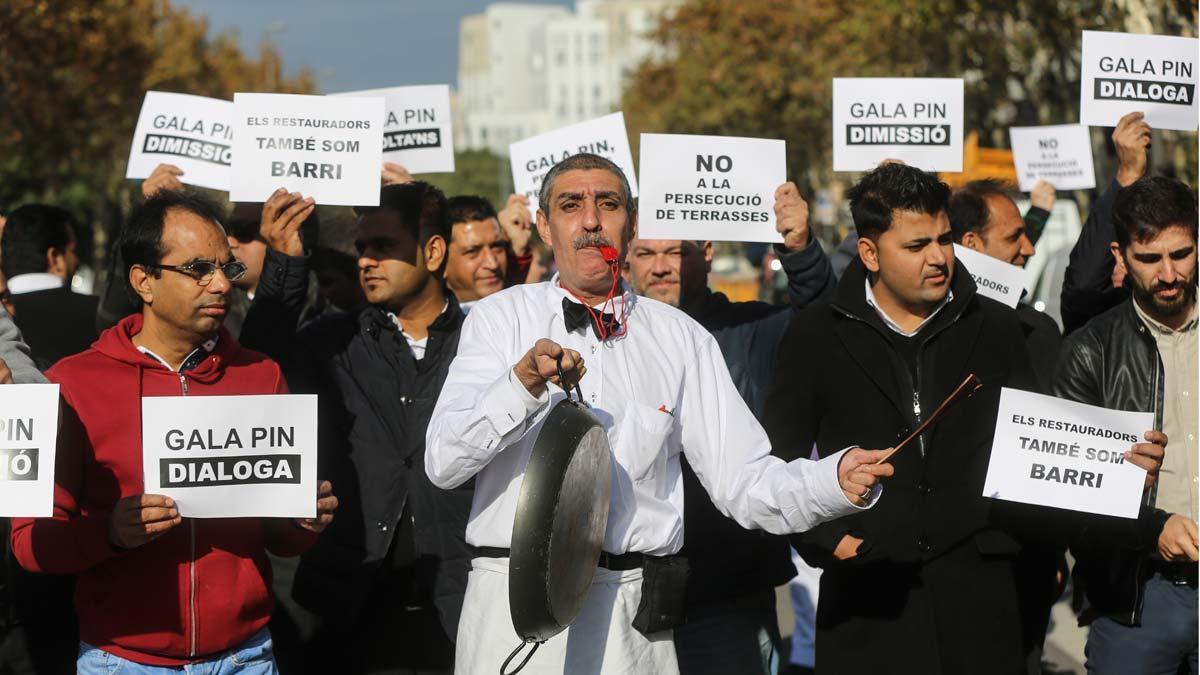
x: 601, y: 641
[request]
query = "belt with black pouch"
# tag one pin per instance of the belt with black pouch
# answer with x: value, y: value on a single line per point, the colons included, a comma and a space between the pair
x: 1182, y: 573
x: 664, y: 585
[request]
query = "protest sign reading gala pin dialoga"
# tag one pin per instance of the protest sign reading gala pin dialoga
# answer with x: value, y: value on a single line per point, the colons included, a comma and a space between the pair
x: 192, y: 132
x: 1059, y: 154
x: 325, y: 147
x: 1153, y: 74
x: 710, y: 187
x: 416, y: 127
x: 918, y: 121
x: 533, y: 157
x: 994, y: 279
x: 232, y: 456
x: 28, y: 434
x: 1054, y: 452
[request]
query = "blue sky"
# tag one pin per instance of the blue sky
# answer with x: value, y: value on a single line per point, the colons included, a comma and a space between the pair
x: 352, y: 44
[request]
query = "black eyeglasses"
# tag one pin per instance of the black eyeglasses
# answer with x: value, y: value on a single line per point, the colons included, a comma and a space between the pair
x: 203, y: 271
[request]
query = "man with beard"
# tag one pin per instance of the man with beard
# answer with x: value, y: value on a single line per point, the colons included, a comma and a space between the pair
x: 658, y: 382
x: 1140, y: 575
x: 923, y: 582
x: 383, y: 588
x: 732, y: 624
x: 984, y: 218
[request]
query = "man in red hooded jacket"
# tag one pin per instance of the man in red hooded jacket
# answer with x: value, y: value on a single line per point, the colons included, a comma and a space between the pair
x: 156, y: 591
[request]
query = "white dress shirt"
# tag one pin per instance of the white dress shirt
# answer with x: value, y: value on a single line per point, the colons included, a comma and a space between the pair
x: 34, y: 281
x: 887, y: 320
x: 661, y: 389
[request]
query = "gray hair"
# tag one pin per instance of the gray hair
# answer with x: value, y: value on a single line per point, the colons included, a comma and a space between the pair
x: 584, y: 161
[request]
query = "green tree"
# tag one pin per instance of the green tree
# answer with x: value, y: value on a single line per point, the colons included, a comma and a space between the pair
x: 72, y: 77
x: 765, y: 68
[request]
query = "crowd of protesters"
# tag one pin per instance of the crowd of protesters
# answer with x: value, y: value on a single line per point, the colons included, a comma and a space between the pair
x: 419, y: 330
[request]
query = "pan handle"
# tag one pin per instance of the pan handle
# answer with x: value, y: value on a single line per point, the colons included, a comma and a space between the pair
x: 562, y: 381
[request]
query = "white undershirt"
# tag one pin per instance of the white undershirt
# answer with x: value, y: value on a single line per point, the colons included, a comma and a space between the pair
x: 34, y: 281
x: 417, y: 346
x: 887, y: 320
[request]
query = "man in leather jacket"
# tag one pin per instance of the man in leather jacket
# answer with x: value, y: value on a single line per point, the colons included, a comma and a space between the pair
x: 1140, y: 575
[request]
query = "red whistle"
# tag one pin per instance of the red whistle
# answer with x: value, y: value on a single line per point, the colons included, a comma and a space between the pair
x: 609, y: 254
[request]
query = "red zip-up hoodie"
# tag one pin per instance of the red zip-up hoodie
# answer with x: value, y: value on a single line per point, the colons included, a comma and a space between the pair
x: 202, y: 588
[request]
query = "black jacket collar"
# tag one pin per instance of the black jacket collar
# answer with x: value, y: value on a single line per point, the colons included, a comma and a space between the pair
x: 374, y: 319
x: 850, y: 298
x: 872, y: 351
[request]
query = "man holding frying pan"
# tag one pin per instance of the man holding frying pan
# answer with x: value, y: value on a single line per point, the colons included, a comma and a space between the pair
x: 923, y: 582
x: 656, y: 383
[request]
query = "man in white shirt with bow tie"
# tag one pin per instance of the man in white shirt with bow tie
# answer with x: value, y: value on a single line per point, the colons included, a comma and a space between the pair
x: 658, y: 384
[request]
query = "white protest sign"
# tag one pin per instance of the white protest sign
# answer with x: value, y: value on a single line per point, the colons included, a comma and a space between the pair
x: 533, y: 157
x: 28, y: 437
x: 1124, y: 73
x: 416, y: 127
x: 232, y: 456
x: 994, y: 279
x: 324, y: 147
x: 192, y: 132
x: 1060, y: 154
x: 916, y: 120
x: 1068, y: 455
x: 710, y: 187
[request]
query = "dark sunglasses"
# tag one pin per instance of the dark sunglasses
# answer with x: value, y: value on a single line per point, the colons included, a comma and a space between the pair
x: 203, y: 271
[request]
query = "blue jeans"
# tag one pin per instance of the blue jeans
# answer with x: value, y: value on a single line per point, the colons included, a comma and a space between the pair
x: 253, y: 657
x: 741, y: 637
x: 1165, y: 643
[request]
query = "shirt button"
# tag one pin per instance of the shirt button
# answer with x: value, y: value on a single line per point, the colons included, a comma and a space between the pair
x: 382, y: 526
x: 404, y: 400
x: 594, y: 351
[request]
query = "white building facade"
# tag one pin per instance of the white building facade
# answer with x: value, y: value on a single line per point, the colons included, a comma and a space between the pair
x: 526, y: 69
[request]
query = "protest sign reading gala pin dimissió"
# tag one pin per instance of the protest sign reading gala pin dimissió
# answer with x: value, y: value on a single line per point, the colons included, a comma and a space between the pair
x: 325, y: 147
x: 193, y: 133
x: 1053, y: 452
x: 918, y: 121
x: 416, y: 127
x: 533, y: 157
x: 232, y: 456
x: 28, y: 434
x: 1125, y: 72
x: 729, y: 195
x: 1060, y: 154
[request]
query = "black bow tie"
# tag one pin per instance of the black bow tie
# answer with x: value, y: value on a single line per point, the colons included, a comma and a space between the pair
x: 576, y: 316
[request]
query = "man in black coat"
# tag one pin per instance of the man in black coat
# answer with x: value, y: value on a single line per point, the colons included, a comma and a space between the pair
x: 732, y: 626
x: 922, y: 583
x: 38, y: 257
x: 984, y: 218
x: 387, y: 583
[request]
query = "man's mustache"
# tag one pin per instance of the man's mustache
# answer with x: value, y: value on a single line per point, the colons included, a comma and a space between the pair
x: 1168, y: 287
x: 591, y: 240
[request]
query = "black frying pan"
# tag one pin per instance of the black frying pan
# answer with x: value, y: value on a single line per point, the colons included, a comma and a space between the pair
x: 561, y: 516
